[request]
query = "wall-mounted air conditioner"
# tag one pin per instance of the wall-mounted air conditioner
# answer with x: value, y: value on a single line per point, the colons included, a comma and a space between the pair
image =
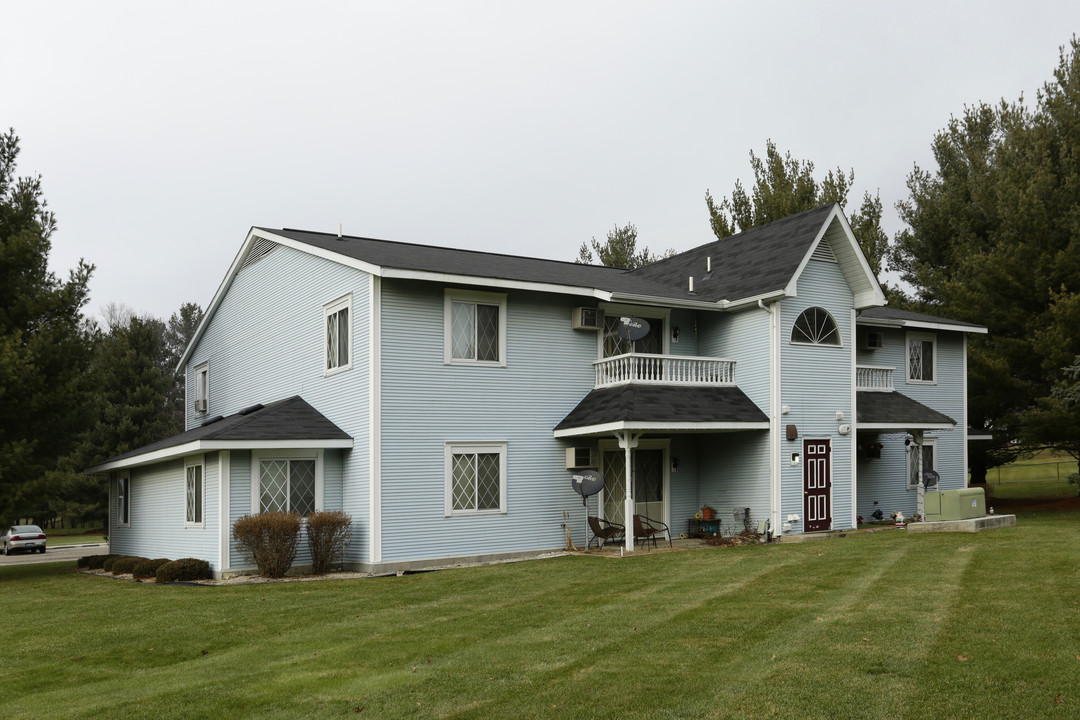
x: 874, y: 340
x: 201, y: 405
x: 581, y: 457
x: 586, y: 318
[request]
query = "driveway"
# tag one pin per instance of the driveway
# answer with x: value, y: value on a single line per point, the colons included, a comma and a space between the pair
x: 58, y: 553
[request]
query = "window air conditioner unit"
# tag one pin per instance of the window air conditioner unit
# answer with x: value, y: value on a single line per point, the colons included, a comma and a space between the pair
x: 874, y: 341
x: 581, y: 457
x: 201, y: 405
x: 586, y: 318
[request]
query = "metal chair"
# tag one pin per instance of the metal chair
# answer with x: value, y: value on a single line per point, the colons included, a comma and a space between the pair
x: 606, y: 532
x: 646, y: 529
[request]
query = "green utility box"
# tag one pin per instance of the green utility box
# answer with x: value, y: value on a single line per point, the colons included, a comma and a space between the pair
x: 962, y: 504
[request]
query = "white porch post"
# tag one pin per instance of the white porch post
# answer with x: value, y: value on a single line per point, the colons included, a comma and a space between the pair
x: 921, y: 491
x: 628, y: 441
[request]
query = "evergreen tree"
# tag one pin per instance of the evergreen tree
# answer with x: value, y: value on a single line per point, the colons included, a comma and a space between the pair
x: 45, y: 342
x: 619, y: 250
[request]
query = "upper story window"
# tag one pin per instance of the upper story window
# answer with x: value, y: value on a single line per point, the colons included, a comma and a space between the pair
x: 614, y: 344
x: 921, y: 358
x: 202, y: 388
x: 123, y: 500
x: 474, y: 328
x: 337, y: 341
x: 815, y: 326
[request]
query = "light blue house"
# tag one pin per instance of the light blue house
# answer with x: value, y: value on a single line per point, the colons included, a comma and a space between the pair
x: 440, y: 396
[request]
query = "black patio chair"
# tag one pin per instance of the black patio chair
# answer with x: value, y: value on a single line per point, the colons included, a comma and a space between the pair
x: 646, y: 529
x: 605, y: 531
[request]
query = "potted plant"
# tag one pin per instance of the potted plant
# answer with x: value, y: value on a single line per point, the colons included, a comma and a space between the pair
x: 707, y: 513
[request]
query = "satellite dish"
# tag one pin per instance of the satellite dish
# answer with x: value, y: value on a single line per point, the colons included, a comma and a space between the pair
x: 930, y: 478
x: 632, y: 328
x: 587, y: 482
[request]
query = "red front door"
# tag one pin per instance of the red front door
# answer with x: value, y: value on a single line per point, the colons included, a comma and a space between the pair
x: 817, y: 484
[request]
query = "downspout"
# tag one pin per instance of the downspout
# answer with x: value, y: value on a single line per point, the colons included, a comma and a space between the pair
x: 774, y: 419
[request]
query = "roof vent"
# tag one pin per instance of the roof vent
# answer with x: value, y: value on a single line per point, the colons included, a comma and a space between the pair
x: 211, y: 420
x: 691, y: 283
x: 823, y: 252
x: 251, y: 409
x: 339, y: 231
x: 259, y: 249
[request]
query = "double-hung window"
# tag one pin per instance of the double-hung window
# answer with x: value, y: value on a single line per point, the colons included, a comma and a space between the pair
x: 475, y: 478
x: 202, y: 388
x: 286, y: 484
x: 337, y: 342
x: 123, y: 500
x: 921, y: 358
x: 193, y: 493
x: 474, y: 328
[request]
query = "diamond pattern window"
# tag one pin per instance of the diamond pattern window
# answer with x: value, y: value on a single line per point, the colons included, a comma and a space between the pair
x: 921, y: 361
x: 194, y: 494
x: 475, y: 328
x: 476, y: 478
x: 287, y: 485
x: 338, y: 345
x: 815, y: 326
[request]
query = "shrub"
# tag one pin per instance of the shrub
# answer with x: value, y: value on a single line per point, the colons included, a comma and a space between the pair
x: 148, y: 568
x: 107, y: 561
x: 95, y: 562
x: 183, y: 569
x: 328, y: 534
x: 125, y: 564
x: 83, y: 562
x: 269, y: 540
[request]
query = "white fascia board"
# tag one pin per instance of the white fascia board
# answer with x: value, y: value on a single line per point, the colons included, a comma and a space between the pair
x: 684, y: 427
x: 635, y: 299
x: 488, y: 282
x: 871, y: 296
x: 903, y: 427
x: 741, y: 303
x: 203, y: 446
x: 920, y: 325
x: 979, y: 436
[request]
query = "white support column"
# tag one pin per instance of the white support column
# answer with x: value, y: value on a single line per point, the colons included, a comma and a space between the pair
x: 628, y: 441
x: 920, y: 508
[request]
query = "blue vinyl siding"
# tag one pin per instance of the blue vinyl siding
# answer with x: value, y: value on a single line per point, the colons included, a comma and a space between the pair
x: 884, y: 480
x: 735, y: 474
x: 426, y: 404
x: 157, y: 514
x: 265, y: 342
x: 816, y: 384
x: 744, y: 337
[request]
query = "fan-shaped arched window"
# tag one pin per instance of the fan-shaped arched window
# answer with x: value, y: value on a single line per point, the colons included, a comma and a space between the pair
x: 815, y: 327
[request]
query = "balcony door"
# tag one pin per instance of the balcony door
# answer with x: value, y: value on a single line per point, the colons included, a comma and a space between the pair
x: 652, y: 343
x: 650, y: 482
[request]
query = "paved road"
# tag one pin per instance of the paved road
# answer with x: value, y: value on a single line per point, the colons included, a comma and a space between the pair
x: 57, y: 553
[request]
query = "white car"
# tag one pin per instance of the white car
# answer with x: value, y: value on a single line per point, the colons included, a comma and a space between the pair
x: 23, y: 537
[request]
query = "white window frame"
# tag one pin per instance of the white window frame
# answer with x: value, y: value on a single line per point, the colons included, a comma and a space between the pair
x: 617, y: 310
x: 123, y: 498
x: 927, y: 442
x: 202, y: 387
x: 920, y: 337
x: 839, y: 338
x: 330, y: 309
x: 260, y: 456
x: 472, y: 297
x: 451, y: 449
x: 195, y: 463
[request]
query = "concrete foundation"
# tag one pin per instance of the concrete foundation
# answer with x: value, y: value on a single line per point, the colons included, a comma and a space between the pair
x: 987, y: 522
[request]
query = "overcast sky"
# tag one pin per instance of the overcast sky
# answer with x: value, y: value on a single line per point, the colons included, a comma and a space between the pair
x: 163, y: 131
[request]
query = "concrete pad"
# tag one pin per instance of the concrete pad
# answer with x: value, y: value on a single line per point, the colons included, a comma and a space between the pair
x: 988, y: 522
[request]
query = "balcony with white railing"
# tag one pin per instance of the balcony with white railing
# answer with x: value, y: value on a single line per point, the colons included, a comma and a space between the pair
x: 874, y: 377
x: 663, y: 370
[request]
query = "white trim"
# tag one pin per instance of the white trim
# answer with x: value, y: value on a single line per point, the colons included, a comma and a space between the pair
x: 898, y: 427
x: 635, y: 426
x: 921, y: 325
x: 197, y: 446
x: 964, y: 413
x: 473, y: 297
x: 832, y: 480
x: 473, y: 448
x: 493, y: 282
x: 853, y: 445
x: 871, y: 296
x: 776, y: 465
x: 839, y: 337
x: 258, y: 457
x: 224, y: 526
x: 375, y: 416
x: 909, y: 336
x: 196, y: 461
x: 329, y: 309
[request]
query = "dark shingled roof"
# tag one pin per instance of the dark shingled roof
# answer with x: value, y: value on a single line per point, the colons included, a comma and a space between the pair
x: 888, y: 313
x: 289, y: 419
x: 656, y: 403
x: 893, y: 408
x: 754, y: 262
x: 745, y: 265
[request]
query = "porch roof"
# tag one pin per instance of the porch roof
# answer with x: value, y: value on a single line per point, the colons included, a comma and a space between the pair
x: 662, y: 408
x: 288, y: 423
x: 875, y: 410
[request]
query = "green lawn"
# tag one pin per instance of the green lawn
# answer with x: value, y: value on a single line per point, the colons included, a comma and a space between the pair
x: 874, y: 625
x: 73, y: 539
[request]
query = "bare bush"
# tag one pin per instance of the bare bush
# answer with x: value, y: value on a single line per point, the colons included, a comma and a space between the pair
x: 269, y: 540
x: 328, y: 535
